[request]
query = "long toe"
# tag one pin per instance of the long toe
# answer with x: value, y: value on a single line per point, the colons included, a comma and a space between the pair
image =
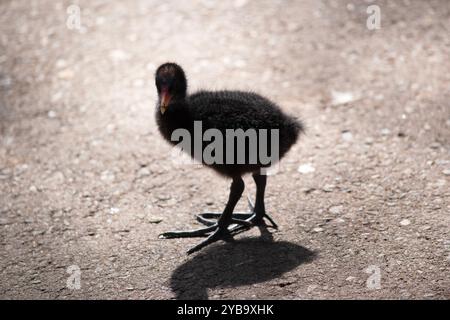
x: 216, y: 215
x: 251, y: 206
x: 188, y: 234
x: 219, y: 234
x: 207, y: 222
x: 255, y: 220
x: 210, y: 218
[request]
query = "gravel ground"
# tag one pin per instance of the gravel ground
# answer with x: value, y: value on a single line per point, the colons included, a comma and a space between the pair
x: 87, y: 183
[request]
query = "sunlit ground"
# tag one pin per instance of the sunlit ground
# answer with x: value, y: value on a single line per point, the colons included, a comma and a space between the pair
x: 87, y: 183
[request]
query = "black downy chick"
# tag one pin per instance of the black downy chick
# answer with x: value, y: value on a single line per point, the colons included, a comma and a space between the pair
x: 224, y: 110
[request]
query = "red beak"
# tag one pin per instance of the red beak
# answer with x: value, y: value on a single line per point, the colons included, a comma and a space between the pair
x: 165, y: 100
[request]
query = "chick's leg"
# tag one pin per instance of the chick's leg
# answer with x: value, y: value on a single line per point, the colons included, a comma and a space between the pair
x: 259, y: 208
x: 219, y: 230
x: 256, y: 215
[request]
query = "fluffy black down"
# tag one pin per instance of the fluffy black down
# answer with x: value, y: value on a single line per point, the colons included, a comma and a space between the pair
x: 230, y: 110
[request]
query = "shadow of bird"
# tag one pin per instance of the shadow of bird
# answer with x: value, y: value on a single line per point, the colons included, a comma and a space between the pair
x: 245, y: 262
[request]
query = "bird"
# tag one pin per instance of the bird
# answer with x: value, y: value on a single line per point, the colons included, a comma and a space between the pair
x: 224, y: 112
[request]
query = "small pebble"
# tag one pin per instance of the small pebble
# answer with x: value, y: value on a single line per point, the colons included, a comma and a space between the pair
x: 308, y: 190
x: 311, y: 288
x: 306, y: 168
x: 118, y: 55
x: 155, y: 220
x: 143, y: 172
x: 114, y: 210
x: 61, y: 63
x: 347, y: 136
x: 336, y: 209
x: 338, y: 97
x: 66, y: 74
x: 435, y: 145
x: 51, y: 114
x: 385, y: 131
x: 5, y: 82
x: 405, y: 222
x: 240, y: 3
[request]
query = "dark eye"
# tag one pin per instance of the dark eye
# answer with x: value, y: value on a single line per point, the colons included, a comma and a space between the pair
x: 164, y: 82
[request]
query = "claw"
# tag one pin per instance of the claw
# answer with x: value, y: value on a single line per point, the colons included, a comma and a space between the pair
x: 274, y: 225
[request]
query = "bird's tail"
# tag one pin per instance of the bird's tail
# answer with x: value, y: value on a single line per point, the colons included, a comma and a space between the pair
x: 295, y: 127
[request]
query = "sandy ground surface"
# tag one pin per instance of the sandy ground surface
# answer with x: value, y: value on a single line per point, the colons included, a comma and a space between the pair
x: 86, y: 180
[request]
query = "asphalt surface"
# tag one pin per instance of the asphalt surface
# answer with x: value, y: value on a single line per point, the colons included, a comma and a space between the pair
x: 87, y: 183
